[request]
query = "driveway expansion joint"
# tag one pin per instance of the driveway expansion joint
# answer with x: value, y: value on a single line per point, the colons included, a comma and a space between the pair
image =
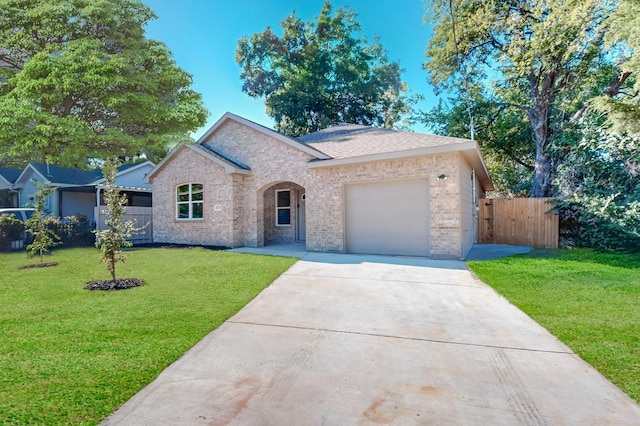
x: 386, y: 280
x: 388, y: 336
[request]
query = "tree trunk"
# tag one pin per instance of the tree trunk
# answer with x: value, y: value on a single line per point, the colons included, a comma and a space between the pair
x: 539, y: 118
x: 542, y: 174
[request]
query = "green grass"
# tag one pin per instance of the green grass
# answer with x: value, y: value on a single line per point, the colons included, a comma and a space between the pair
x: 72, y: 356
x: 590, y: 301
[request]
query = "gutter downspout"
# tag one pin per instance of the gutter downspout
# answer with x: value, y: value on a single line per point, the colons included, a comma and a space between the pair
x: 18, y: 193
x: 475, y: 205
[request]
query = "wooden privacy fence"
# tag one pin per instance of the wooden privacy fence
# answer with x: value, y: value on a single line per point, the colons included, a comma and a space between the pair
x: 518, y: 221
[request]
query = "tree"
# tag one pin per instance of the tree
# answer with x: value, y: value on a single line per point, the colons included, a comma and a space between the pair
x: 40, y: 223
x: 111, y: 240
x: 505, y: 135
x: 319, y: 74
x: 534, y: 56
x: 599, y: 187
x: 621, y: 102
x: 79, y: 79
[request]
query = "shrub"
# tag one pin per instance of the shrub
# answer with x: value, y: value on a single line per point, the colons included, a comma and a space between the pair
x: 11, y: 229
x: 600, y: 223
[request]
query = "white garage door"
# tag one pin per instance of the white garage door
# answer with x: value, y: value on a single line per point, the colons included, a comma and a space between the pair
x: 388, y: 218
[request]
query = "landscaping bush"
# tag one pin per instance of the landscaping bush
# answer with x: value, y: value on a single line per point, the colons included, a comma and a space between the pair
x: 74, y: 231
x: 11, y: 229
x: 599, y: 185
x: 600, y: 224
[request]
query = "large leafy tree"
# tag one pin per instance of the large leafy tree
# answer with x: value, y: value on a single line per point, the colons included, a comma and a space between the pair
x: 621, y: 100
x: 505, y: 135
x: 322, y: 73
x: 537, y: 58
x: 79, y: 79
x: 599, y: 187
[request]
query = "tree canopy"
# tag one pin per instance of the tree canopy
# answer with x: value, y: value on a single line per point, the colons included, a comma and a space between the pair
x: 537, y: 58
x: 621, y: 103
x: 322, y: 73
x: 79, y: 79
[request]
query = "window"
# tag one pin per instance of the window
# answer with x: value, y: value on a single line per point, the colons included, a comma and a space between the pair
x: 283, y: 207
x: 190, y: 201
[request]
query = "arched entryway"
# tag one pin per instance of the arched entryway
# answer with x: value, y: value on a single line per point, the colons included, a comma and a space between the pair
x: 284, y: 214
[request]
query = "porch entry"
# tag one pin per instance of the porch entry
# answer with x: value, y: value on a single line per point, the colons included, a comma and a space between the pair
x: 284, y: 215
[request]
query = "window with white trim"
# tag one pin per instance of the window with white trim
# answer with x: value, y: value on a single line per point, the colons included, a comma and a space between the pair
x: 189, y: 200
x: 283, y: 207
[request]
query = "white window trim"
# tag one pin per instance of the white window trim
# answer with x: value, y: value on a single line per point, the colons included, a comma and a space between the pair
x: 283, y: 208
x: 190, y: 202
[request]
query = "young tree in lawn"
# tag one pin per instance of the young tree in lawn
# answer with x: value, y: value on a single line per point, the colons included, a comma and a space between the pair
x: 322, y: 73
x: 79, y: 79
x: 40, y: 223
x: 111, y: 240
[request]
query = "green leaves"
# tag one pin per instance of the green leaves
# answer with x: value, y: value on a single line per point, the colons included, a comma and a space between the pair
x: 599, y: 184
x: 321, y: 73
x: 537, y: 59
x: 622, y: 103
x: 111, y: 240
x: 83, y: 81
x: 40, y: 223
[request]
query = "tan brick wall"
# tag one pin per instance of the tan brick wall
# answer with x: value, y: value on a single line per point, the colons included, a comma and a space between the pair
x: 325, y: 198
x: 468, y: 230
x: 220, y: 205
x: 271, y: 161
x: 246, y: 215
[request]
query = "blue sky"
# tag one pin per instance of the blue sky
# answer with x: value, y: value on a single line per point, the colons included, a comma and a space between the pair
x: 203, y: 35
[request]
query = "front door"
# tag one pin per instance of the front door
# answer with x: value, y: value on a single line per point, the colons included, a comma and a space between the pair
x: 302, y: 221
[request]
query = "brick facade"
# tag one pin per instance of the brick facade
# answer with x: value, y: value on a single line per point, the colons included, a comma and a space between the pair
x: 240, y: 209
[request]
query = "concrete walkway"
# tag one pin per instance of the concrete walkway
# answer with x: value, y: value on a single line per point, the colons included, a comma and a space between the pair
x: 367, y: 340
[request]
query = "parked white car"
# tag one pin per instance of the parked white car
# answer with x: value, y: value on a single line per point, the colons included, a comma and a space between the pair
x: 22, y: 213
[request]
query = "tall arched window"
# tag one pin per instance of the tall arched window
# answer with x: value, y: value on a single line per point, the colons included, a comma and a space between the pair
x: 189, y: 200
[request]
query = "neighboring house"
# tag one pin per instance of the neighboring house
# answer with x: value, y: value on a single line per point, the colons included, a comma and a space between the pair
x: 345, y: 189
x: 8, y: 195
x: 79, y: 192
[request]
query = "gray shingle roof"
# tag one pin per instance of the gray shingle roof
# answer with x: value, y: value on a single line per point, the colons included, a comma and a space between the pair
x: 65, y: 175
x: 10, y: 174
x: 56, y: 174
x: 352, y: 140
x: 225, y: 157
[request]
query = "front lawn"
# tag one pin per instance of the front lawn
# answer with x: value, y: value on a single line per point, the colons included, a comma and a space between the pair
x: 590, y: 301
x: 72, y: 356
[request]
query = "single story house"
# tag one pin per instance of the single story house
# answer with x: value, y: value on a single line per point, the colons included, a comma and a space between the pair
x: 77, y: 192
x: 344, y: 189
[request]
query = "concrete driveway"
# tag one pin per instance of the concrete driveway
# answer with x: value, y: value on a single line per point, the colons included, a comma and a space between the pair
x: 366, y: 340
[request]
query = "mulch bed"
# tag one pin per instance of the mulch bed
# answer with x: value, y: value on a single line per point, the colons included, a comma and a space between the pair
x: 38, y: 265
x: 120, y: 284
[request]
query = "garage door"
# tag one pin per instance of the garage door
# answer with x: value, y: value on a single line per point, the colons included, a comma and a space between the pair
x: 388, y: 218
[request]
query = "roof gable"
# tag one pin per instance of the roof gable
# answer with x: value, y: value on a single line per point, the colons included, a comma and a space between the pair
x: 230, y: 165
x: 315, y: 153
x: 123, y: 170
x: 9, y: 175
